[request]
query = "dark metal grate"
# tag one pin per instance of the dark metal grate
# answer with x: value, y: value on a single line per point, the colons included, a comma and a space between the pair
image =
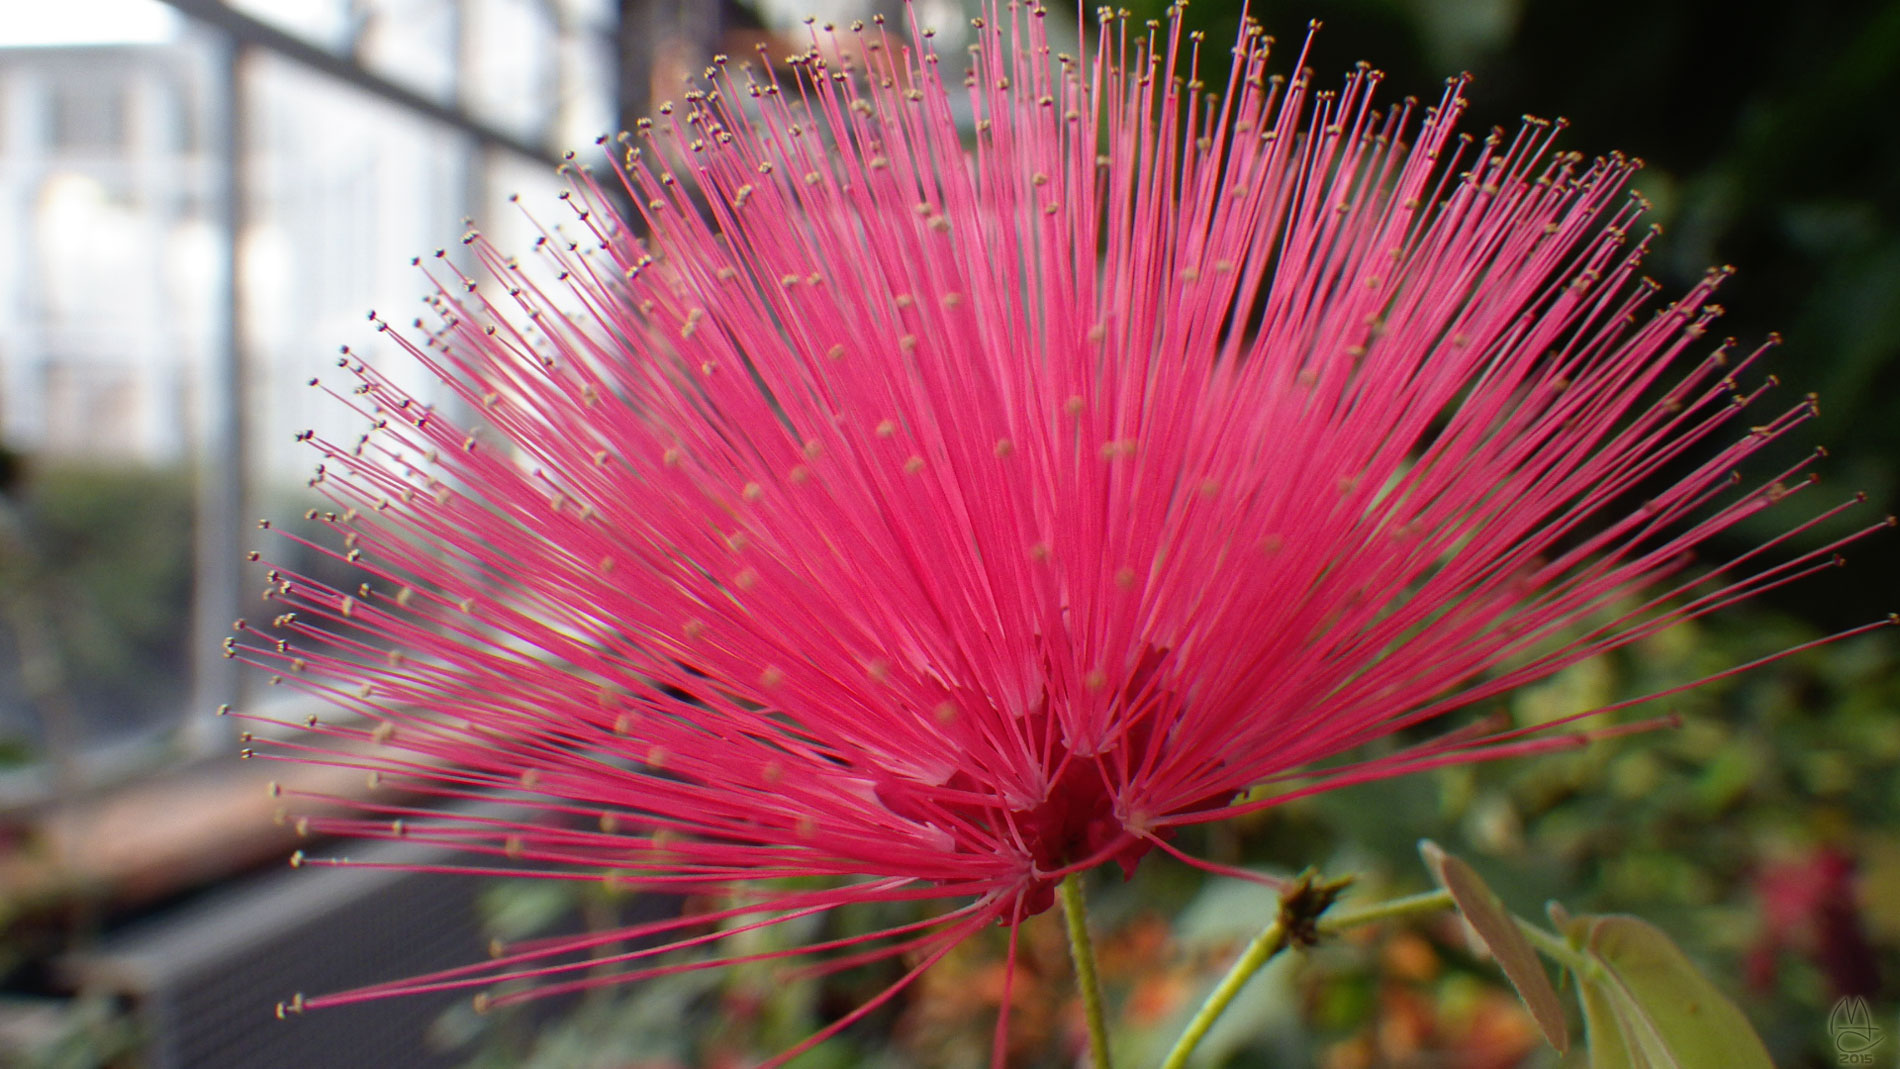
x: 204, y: 979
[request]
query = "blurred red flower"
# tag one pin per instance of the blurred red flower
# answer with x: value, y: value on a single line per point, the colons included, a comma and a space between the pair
x: 1809, y: 905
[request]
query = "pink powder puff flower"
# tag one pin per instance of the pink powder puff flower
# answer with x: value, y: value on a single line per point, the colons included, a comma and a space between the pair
x: 962, y: 485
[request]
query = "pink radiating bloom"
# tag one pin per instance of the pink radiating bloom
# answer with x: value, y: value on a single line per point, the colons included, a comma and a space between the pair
x: 1010, y: 473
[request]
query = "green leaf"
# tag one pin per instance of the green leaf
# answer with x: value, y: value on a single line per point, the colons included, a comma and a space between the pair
x: 1648, y: 1007
x: 1499, y: 932
x: 1604, y: 1018
x: 1609, y: 1047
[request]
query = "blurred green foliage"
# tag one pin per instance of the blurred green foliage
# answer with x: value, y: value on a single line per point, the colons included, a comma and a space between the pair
x: 95, y: 592
x: 89, y: 1032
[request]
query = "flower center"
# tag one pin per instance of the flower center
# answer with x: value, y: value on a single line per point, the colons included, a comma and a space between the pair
x: 1075, y: 821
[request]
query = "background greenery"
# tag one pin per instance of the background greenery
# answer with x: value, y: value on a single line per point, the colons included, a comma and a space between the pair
x: 95, y: 590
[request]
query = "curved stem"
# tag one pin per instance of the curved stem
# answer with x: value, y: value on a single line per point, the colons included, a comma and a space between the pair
x: 1274, y: 938
x: 1084, y: 955
x: 1264, y: 946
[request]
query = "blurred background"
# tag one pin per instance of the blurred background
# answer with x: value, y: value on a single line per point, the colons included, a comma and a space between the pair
x: 201, y: 199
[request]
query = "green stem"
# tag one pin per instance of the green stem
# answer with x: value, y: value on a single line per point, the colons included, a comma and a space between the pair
x: 1271, y: 941
x: 1410, y: 905
x: 1264, y: 946
x: 1084, y: 954
x: 1555, y: 948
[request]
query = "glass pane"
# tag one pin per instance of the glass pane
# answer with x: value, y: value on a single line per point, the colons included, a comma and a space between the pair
x: 413, y: 43
x: 108, y: 283
x: 514, y: 79
x: 345, y: 190
x: 327, y: 24
x: 112, y: 217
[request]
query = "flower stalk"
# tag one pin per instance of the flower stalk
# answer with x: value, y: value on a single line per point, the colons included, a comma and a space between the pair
x: 1082, y: 951
x: 1299, y: 921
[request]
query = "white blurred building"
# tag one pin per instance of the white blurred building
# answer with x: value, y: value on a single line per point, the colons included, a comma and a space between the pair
x: 195, y: 213
x: 113, y: 212
x: 109, y: 249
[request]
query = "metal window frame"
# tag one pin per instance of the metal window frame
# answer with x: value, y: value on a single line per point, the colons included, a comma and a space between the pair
x: 225, y: 464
